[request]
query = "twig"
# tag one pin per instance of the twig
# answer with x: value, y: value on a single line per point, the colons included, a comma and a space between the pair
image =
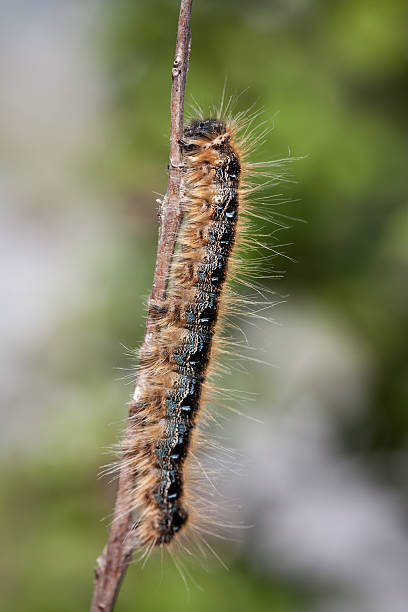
x: 112, y: 564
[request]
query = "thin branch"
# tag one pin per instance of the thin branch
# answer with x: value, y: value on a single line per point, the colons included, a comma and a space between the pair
x: 112, y: 564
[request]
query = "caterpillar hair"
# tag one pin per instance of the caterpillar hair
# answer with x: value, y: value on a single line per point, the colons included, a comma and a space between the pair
x: 168, y: 408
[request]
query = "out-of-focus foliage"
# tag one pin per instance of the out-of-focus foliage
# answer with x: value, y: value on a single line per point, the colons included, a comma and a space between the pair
x: 335, y: 76
x: 332, y: 78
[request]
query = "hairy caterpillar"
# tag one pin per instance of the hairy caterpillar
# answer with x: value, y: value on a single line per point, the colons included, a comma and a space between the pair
x: 173, y: 370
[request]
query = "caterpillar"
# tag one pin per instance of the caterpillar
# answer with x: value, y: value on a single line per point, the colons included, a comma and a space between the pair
x: 173, y: 370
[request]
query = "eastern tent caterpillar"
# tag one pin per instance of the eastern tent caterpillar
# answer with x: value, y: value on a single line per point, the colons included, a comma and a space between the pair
x: 173, y: 370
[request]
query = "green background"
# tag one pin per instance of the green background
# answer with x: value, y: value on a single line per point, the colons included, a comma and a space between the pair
x: 332, y: 79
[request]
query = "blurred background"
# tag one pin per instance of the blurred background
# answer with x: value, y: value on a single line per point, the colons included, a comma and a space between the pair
x: 84, y: 120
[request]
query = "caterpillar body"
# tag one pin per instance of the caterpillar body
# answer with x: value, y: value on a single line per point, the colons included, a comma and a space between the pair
x: 173, y: 369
